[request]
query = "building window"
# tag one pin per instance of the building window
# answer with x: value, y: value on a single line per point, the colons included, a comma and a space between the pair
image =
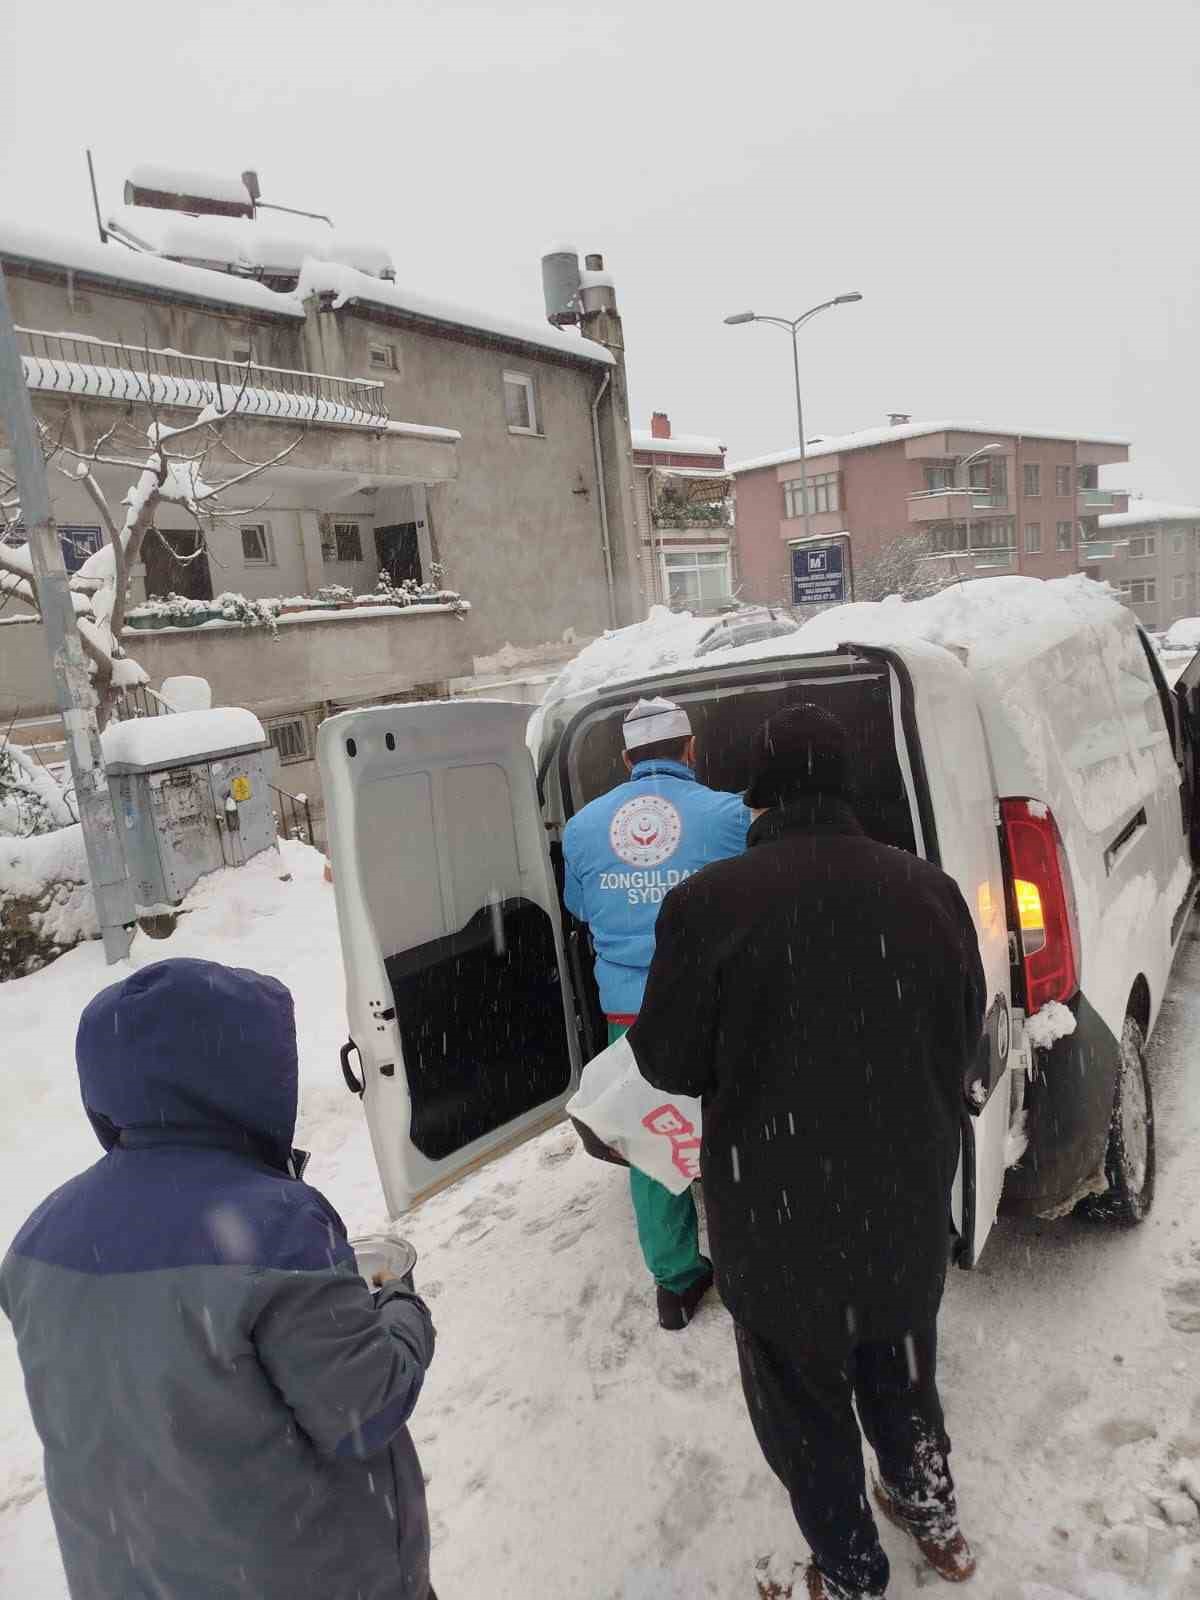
x: 1062, y: 480
x: 347, y: 542
x: 1064, y: 535
x: 382, y: 357
x: 696, y: 579
x: 991, y: 535
x: 77, y: 544
x: 256, y: 545
x: 951, y: 536
x: 1032, y: 476
x: 991, y: 476
x: 938, y: 479
x: 1033, y: 538
x: 1088, y: 477
x: 822, y: 494
x: 1179, y: 588
x: 1139, y: 591
x: 242, y: 352
x: 520, y: 408
x: 1178, y: 543
x: 1143, y: 544
x: 289, y: 735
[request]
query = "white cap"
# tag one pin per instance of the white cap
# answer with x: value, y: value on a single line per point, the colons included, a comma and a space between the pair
x: 653, y: 720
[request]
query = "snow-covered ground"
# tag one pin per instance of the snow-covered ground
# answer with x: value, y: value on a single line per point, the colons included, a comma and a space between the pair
x: 575, y: 1450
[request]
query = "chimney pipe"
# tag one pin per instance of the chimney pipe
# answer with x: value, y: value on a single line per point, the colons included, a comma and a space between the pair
x: 660, y: 425
x: 897, y: 419
x: 594, y: 263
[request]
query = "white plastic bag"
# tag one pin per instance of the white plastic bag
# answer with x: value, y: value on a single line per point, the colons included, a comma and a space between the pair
x: 655, y: 1132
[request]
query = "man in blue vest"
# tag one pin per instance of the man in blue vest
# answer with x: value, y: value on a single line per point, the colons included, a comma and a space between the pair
x: 624, y: 852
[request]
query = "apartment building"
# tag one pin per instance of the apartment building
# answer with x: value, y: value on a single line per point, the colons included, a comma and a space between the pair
x: 1154, y: 562
x: 681, y: 499
x: 981, y: 500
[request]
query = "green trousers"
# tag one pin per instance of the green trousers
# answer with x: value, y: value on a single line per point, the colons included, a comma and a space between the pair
x: 666, y: 1223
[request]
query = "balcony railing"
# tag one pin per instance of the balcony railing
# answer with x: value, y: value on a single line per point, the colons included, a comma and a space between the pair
x: 70, y: 363
x: 1098, y: 499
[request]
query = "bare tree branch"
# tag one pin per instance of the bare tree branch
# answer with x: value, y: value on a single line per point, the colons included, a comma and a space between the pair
x: 252, y: 472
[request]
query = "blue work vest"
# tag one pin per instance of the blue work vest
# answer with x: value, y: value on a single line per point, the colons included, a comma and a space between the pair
x: 626, y: 850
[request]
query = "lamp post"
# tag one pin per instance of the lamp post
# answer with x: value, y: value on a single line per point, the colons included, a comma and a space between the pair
x: 793, y: 326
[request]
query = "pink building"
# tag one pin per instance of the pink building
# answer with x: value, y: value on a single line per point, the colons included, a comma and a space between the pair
x: 681, y: 497
x: 986, y: 499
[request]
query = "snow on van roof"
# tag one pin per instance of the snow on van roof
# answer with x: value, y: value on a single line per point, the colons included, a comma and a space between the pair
x: 998, y: 622
x: 865, y: 438
x: 1147, y: 511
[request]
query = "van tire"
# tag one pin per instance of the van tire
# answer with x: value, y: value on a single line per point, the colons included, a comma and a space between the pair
x: 1129, y: 1160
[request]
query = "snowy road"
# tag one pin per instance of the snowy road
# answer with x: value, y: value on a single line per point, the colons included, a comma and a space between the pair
x: 576, y: 1451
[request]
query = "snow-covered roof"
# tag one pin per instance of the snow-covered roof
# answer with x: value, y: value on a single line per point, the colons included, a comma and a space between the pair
x: 865, y: 438
x: 22, y: 243
x: 344, y: 283
x: 181, y: 736
x: 275, y: 248
x: 682, y: 444
x: 1146, y: 511
x: 197, y: 185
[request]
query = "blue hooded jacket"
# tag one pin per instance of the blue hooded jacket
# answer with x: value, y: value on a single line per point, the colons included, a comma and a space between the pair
x: 625, y: 851
x: 221, y: 1398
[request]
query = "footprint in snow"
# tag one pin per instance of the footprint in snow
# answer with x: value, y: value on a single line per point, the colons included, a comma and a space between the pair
x: 1183, y: 1305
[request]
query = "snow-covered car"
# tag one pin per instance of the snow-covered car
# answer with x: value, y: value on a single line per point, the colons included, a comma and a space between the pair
x: 1019, y: 733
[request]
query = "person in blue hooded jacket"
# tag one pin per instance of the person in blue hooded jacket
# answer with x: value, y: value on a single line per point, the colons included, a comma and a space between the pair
x: 624, y: 852
x: 221, y: 1399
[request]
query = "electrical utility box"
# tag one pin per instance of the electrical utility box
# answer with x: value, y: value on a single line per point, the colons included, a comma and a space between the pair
x: 192, y: 793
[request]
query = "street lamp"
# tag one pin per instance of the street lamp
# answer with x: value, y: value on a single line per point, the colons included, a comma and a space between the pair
x: 793, y: 326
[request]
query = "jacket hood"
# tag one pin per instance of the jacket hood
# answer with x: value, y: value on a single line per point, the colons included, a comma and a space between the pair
x: 191, y: 1045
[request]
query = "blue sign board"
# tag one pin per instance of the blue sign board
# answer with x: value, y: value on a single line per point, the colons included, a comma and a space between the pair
x: 818, y: 575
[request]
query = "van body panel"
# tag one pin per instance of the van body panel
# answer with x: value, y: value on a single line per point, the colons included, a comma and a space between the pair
x: 1068, y: 1104
x: 457, y: 987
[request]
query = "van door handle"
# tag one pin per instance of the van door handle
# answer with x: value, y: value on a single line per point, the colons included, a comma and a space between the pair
x: 354, y: 1083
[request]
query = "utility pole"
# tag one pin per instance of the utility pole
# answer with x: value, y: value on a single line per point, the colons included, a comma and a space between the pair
x: 111, y: 889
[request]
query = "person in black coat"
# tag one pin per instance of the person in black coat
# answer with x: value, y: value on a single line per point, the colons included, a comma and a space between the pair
x: 823, y: 994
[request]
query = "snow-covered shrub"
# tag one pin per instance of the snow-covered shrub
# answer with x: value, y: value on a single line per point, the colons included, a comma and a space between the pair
x: 251, y: 613
x: 31, y: 800
x: 46, y: 903
x: 336, y: 592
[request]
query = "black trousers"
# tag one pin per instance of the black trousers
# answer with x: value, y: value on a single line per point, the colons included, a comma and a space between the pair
x: 800, y: 1406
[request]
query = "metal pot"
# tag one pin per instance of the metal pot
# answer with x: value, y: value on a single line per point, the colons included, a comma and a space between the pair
x: 375, y: 1251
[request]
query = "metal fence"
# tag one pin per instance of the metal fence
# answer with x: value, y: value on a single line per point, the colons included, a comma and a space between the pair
x: 70, y: 363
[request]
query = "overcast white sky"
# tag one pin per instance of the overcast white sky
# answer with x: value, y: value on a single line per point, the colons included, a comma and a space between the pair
x: 1010, y: 185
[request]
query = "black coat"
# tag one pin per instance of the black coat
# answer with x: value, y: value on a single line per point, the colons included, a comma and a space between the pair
x: 823, y: 993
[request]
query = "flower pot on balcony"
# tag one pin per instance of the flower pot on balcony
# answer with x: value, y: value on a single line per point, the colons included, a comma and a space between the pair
x: 144, y: 622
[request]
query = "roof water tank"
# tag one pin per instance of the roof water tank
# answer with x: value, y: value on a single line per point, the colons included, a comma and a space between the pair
x: 560, y: 284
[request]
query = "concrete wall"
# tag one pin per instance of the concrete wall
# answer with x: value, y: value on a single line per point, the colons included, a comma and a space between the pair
x: 344, y: 658
x: 518, y: 530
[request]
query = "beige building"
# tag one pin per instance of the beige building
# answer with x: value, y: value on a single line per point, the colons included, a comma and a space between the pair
x: 1155, y: 560
x: 435, y: 440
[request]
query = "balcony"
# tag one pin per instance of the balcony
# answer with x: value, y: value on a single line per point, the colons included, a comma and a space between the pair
x: 953, y: 505
x: 71, y: 364
x: 1096, y: 502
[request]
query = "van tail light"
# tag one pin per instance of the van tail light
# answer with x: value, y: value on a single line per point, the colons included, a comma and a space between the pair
x: 1046, y: 922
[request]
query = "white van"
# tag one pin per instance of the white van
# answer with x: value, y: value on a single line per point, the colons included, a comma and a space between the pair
x: 1018, y: 733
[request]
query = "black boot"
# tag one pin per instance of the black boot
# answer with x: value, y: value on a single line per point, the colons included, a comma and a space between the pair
x: 675, y: 1311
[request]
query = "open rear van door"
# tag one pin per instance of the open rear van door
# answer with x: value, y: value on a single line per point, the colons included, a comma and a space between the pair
x: 924, y: 782
x: 457, y: 994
